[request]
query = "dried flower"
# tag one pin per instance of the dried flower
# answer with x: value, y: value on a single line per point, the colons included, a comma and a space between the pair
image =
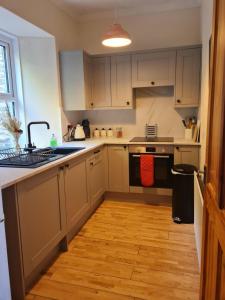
x: 10, y: 122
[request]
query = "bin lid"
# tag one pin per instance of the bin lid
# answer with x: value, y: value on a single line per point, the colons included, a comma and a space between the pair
x: 184, y: 169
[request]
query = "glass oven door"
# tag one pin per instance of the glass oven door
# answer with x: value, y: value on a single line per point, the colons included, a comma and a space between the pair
x: 162, y: 170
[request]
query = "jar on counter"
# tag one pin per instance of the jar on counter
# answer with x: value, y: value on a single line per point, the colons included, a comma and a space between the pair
x: 96, y: 133
x: 109, y: 132
x: 119, y: 132
x: 103, y: 132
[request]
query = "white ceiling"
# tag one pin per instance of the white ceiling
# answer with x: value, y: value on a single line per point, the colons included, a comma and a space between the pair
x: 91, y: 9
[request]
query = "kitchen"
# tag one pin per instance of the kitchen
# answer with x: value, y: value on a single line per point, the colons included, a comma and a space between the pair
x: 84, y: 217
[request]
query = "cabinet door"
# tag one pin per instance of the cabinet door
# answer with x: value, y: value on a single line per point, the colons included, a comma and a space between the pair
x: 186, y: 155
x: 153, y: 69
x: 75, y: 80
x: 76, y: 192
x: 41, y: 204
x: 121, y: 87
x: 118, y: 168
x: 101, y: 85
x: 188, y: 77
x: 96, y: 177
x: 88, y: 79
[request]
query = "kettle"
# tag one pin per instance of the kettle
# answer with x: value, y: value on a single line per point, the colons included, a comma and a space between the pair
x: 79, y: 133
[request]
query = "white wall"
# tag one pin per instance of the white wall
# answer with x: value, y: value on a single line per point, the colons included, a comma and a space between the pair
x: 49, y: 17
x: 158, y: 30
x: 206, y: 29
x: 40, y: 87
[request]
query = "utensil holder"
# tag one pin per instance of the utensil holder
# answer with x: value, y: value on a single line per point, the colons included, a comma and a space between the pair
x: 188, y: 134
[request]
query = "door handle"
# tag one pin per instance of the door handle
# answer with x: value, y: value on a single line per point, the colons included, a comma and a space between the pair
x: 97, y: 151
x: 155, y: 156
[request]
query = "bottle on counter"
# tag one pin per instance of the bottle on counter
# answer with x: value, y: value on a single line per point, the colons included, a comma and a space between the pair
x: 119, y: 132
x: 103, y: 132
x: 53, y: 141
x: 109, y: 132
x: 96, y: 133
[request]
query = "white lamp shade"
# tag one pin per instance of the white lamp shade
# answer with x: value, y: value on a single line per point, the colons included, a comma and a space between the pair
x: 116, y: 37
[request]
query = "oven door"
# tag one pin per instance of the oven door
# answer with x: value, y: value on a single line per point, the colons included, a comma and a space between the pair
x: 162, y: 170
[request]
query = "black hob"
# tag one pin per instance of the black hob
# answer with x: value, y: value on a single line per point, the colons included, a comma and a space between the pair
x: 148, y: 139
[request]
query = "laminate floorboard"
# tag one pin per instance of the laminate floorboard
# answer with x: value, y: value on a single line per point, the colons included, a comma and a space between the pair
x: 125, y: 251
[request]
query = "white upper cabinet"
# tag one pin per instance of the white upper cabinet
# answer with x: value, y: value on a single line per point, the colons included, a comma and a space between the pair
x: 153, y: 69
x: 121, y: 87
x: 76, y: 77
x: 101, y: 82
x: 188, y: 77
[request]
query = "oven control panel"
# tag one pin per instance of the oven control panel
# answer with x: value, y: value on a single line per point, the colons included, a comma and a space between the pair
x: 151, y: 149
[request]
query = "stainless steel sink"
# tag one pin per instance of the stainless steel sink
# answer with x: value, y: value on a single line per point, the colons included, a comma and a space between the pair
x: 22, y: 158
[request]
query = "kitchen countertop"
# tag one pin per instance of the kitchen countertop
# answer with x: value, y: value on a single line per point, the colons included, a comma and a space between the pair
x: 11, y: 176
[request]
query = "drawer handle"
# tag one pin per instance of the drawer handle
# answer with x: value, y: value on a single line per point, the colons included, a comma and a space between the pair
x: 97, y: 151
x: 91, y: 164
x: 178, y: 101
x: 128, y: 103
x: 67, y: 166
x: 178, y: 148
x: 152, y: 82
x: 61, y: 168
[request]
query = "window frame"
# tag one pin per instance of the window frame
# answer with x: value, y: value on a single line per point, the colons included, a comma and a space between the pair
x: 12, y: 95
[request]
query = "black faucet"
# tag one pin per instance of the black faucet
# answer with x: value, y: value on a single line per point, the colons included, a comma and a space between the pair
x: 30, y: 145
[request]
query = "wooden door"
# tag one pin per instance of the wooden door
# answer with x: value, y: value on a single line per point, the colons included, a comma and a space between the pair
x: 153, y: 69
x: 213, y: 256
x: 122, y: 95
x: 188, y: 77
x: 118, y: 169
x: 101, y: 84
x: 77, y: 203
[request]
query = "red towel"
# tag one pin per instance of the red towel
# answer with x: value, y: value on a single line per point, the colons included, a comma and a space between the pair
x: 147, y: 170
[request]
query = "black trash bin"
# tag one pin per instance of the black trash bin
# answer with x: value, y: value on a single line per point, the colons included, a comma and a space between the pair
x: 183, y: 193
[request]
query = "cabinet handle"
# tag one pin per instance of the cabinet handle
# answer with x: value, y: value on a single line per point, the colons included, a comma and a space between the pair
x: 152, y: 82
x: 61, y: 168
x: 178, y: 101
x: 91, y: 164
x: 97, y: 151
x: 128, y: 103
x: 178, y: 148
x: 125, y: 147
x: 67, y: 165
x: 92, y: 104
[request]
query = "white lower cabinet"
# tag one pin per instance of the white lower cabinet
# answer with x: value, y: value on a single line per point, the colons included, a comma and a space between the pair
x: 96, y: 176
x: 118, y: 168
x: 186, y: 155
x: 77, y: 202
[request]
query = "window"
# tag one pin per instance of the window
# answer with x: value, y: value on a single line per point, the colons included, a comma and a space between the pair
x: 7, y: 86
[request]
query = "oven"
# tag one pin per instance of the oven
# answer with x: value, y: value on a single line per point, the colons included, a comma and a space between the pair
x: 163, y: 162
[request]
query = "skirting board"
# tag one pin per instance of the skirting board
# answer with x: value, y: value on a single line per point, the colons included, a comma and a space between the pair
x: 151, y: 191
x: 153, y: 199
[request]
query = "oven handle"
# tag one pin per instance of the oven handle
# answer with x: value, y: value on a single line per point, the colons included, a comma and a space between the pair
x: 155, y: 156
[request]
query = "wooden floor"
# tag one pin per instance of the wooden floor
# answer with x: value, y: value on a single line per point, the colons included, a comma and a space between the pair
x: 126, y: 251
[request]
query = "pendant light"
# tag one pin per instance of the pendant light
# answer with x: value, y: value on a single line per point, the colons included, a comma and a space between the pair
x: 116, y: 36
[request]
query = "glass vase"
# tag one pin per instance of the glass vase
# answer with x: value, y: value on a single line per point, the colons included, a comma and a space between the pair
x: 16, y: 137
